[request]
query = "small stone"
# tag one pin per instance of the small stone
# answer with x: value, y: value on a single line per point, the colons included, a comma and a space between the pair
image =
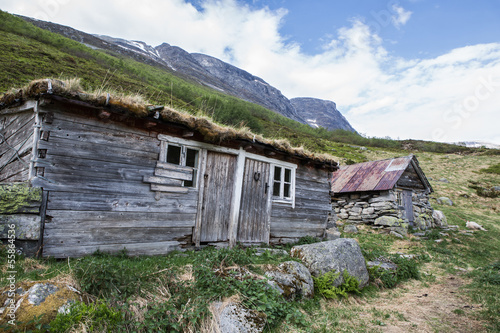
x: 438, y: 240
x: 419, y: 234
x: 396, y: 234
x: 443, y: 180
x: 445, y: 201
x: 260, y: 251
x: 350, y: 229
x: 444, y: 234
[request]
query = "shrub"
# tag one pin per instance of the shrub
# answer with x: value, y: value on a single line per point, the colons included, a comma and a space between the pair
x: 325, y: 287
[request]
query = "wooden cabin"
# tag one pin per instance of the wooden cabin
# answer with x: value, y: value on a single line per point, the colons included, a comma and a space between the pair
x: 112, y: 174
x: 397, y: 187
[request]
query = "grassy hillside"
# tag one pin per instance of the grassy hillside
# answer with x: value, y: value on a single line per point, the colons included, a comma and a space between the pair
x: 28, y: 52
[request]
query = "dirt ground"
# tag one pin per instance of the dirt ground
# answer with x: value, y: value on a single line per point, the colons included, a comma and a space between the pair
x: 436, y: 307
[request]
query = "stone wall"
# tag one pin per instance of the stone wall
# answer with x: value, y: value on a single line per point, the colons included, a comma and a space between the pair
x: 369, y: 206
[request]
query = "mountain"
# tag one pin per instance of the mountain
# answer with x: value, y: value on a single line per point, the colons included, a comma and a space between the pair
x: 213, y: 73
x: 321, y: 113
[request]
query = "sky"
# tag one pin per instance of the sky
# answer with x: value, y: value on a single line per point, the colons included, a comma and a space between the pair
x: 407, y: 69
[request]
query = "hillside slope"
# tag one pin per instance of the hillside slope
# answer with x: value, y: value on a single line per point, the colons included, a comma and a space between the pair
x: 206, y: 70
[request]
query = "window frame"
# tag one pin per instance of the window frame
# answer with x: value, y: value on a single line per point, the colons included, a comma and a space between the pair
x: 182, y: 160
x: 281, y: 198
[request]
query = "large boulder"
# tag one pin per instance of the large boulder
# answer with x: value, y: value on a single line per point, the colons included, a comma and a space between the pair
x: 343, y: 254
x: 22, y: 301
x: 439, y: 219
x: 231, y: 317
x: 292, y: 279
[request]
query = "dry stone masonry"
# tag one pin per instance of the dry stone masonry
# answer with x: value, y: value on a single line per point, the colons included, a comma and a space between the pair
x: 383, y: 210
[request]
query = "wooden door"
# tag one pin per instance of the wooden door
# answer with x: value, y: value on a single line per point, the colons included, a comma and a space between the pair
x: 217, y: 197
x: 253, y: 224
x: 408, y: 205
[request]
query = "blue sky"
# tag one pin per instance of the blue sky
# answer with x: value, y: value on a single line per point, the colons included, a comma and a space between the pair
x: 434, y: 27
x: 417, y: 69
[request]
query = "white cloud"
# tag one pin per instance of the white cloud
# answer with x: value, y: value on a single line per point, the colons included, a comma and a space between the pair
x: 452, y: 97
x: 402, y: 16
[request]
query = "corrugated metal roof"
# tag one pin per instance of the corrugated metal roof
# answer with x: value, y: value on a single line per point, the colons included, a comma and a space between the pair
x: 370, y: 176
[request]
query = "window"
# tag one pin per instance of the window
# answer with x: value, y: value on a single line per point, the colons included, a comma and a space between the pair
x: 283, y: 183
x: 184, y: 156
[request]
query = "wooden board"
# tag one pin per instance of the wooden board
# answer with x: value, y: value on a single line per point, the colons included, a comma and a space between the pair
x: 255, y: 206
x: 408, y: 204
x: 152, y: 248
x: 217, y: 197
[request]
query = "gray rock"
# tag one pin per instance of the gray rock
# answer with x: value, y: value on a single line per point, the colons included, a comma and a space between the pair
x: 394, y: 233
x: 234, y: 318
x: 337, y: 255
x: 39, y: 292
x: 332, y: 234
x: 439, y: 219
x: 350, y: 229
x: 496, y: 188
x: 293, y: 279
x: 443, y: 180
x: 260, y: 251
x: 385, y: 265
x: 388, y: 221
x: 445, y: 201
x: 400, y: 230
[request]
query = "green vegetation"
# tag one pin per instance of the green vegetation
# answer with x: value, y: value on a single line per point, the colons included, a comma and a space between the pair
x: 495, y: 169
x: 324, y: 285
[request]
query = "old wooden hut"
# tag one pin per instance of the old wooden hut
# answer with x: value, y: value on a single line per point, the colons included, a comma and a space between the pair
x: 396, y: 187
x: 110, y: 173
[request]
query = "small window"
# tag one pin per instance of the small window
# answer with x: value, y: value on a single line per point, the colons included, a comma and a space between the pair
x: 282, y: 183
x: 192, y: 161
x: 183, y: 156
x: 174, y: 154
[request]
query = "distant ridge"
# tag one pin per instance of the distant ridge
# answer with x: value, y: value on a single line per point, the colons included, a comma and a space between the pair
x: 213, y: 73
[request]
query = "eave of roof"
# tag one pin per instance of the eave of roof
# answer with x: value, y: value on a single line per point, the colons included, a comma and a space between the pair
x: 136, y: 106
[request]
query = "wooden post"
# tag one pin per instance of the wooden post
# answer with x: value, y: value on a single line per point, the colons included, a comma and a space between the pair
x: 201, y: 185
x: 36, y: 137
x: 236, y: 202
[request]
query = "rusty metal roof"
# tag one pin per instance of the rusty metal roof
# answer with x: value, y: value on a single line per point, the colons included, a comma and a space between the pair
x: 373, y: 176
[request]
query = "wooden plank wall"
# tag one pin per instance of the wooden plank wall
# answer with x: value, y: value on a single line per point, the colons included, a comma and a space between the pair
x: 410, y: 179
x: 94, y: 173
x: 16, y: 142
x: 312, y: 205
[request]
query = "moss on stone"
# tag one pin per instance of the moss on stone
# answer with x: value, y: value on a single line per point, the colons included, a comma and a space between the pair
x: 19, y: 198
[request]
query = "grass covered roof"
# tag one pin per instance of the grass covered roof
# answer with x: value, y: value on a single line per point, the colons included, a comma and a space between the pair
x: 138, y: 106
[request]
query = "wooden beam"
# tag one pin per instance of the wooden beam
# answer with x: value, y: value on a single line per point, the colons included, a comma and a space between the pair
x: 236, y: 200
x: 201, y: 185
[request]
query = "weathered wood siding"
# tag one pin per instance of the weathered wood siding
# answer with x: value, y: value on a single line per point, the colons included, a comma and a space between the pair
x: 16, y: 142
x: 410, y: 179
x: 217, y: 197
x: 312, y: 205
x: 94, y: 172
x: 253, y: 226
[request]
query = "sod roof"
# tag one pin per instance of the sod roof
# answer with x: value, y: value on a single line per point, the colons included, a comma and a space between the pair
x: 136, y: 104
